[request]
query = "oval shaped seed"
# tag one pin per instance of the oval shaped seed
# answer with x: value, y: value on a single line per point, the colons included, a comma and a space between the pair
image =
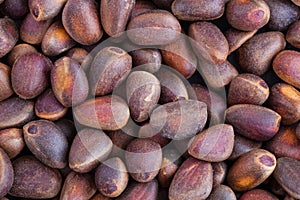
x: 140, y: 7
x: 11, y: 141
x: 267, y: 44
x: 69, y: 82
x: 179, y: 120
x: 144, y: 28
x: 143, y: 159
x: 78, y: 54
x: 180, y: 56
x: 247, y: 15
x: 282, y: 14
x: 292, y: 35
x: 18, y: 51
x: 15, y: 9
x: 220, y: 173
x: 107, y: 113
x: 81, y: 21
x: 286, y: 66
x: 109, y: 68
x: 214, y: 49
x: 85, y: 154
x: 222, y: 192
x: 287, y: 175
x: 5, y: 82
x: 258, y: 194
x: 37, y: 67
x: 111, y: 177
x: 172, y: 86
x: 146, y: 191
x: 237, y: 38
x: 146, y: 59
x: 15, y: 112
x: 243, y: 145
x: 215, y: 144
x: 253, y: 121
x: 194, y: 10
x: 44, y: 10
x: 47, y: 142
x: 78, y: 186
x: 193, y: 180
x: 285, y: 143
x: 32, y: 31
x: 9, y: 35
x: 143, y: 92
x: 247, y: 89
x: 6, y: 173
x: 251, y: 169
x: 285, y: 100
x: 56, y: 40
x: 115, y: 15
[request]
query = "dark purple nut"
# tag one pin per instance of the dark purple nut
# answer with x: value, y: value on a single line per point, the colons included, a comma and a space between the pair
x: 258, y: 194
x: 143, y: 91
x: 43, y: 9
x: 68, y: 128
x: 287, y: 175
x: 146, y: 59
x: 256, y: 55
x: 141, y: 6
x: 216, y: 104
x: 172, y: 86
x: 120, y: 139
x: 32, y: 31
x: 296, y: 2
x: 237, y: 38
x: 214, y: 144
x: 292, y: 35
x: 144, y: 28
x: 81, y: 21
x: 253, y: 121
x: 15, y: 9
x: 69, y: 82
x: 243, y: 145
x: 115, y: 15
x: 143, y: 159
x: 15, y: 112
x: 11, y: 141
x: 146, y: 131
x: 108, y: 113
x: 56, y: 40
x: 247, y: 89
x: 195, y: 10
x: 163, y: 4
x: 78, y: 186
x: 85, y: 154
x: 208, y: 42
x: 145, y: 191
x: 179, y: 120
x: 5, y: 82
x: 222, y: 192
x: 34, y: 179
x: 285, y: 100
x: 111, y: 177
x: 180, y: 56
x: 6, y: 173
x: 193, y: 180
x: 109, y: 68
x: 48, y: 107
x: 220, y: 173
x: 285, y: 143
x: 47, y: 142
x: 78, y: 54
x: 286, y: 66
x: 247, y: 15
x: 217, y: 76
x: 9, y: 35
x: 30, y: 75
x: 99, y: 196
x: 282, y: 14
x: 170, y: 163
x: 251, y: 169
x: 18, y: 51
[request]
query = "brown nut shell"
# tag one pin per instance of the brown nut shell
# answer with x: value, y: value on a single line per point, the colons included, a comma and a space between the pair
x: 12, y: 141
x: 258, y: 194
x: 5, y: 82
x: 222, y: 192
x: 6, y: 173
x: 44, y: 10
x: 292, y: 35
x: 15, y: 9
x: 9, y: 35
x: 147, y: 59
x: 18, y: 51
